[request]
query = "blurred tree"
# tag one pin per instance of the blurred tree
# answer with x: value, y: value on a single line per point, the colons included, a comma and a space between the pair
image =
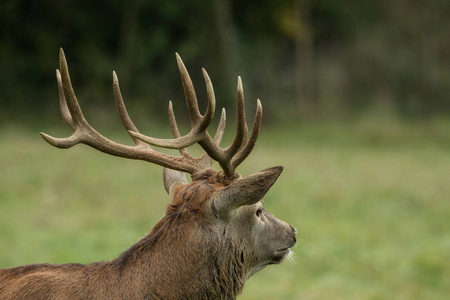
x: 304, y: 42
x: 225, y: 48
x: 320, y: 55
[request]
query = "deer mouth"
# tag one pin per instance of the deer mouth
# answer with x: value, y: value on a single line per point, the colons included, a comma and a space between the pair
x: 282, y: 252
x: 280, y: 255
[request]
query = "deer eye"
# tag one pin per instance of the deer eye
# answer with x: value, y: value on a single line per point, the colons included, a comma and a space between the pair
x: 259, y: 212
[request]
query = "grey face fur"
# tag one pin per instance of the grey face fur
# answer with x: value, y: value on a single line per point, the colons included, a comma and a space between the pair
x: 238, y: 217
x: 268, y: 237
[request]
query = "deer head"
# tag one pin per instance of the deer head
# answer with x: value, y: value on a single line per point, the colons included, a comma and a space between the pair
x: 215, y: 233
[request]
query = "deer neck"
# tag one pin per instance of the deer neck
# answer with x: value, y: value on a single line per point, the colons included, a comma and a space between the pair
x: 175, y: 260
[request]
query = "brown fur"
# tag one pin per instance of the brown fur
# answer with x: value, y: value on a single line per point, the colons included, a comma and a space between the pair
x: 189, y: 254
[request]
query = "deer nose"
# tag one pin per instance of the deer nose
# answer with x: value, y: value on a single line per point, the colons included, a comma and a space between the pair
x: 294, y: 230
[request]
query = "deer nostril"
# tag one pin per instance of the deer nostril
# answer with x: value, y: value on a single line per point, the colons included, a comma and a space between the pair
x: 293, y: 229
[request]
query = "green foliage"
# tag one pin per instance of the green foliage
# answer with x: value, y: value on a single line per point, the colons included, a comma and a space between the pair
x: 352, y: 55
x: 369, y: 198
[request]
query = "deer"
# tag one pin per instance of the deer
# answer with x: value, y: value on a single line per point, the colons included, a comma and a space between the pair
x: 214, y: 234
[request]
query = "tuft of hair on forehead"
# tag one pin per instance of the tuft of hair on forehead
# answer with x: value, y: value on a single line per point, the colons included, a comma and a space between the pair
x: 212, y: 176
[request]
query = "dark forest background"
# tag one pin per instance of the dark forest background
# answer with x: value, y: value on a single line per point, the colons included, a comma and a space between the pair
x: 306, y: 58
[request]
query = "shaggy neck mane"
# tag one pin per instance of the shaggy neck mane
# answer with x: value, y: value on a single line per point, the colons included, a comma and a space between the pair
x: 183, y: 256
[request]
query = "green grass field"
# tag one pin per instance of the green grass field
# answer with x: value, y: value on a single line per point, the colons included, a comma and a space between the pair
x: 370, y: 199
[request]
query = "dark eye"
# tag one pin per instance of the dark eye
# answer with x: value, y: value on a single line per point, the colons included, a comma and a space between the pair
x: 259, y: 212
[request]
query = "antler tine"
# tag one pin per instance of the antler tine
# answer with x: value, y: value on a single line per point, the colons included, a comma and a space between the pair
x: 205, y: 159
x: 211, y: 107
x: 189, y: 92
x: 221, y: 128
x: 67, y: 117
x: 69, y: 94
x: 174, y: 127
x: 62, y: 143
x: 123, y: 113
x: 248, y: 147
x: 65, y: 113
x: 241, y: 126
x: 70, y: 109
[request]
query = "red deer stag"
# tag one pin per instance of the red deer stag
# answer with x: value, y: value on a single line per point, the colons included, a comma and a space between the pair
x: 214, y: 235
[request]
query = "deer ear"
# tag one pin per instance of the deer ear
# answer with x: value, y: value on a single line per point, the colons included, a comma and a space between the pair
x: 173, y: 179
x: 245, y: 191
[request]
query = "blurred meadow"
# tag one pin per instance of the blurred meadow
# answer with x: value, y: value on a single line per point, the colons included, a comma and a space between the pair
x: 370, y: 202
x: 356, y: 108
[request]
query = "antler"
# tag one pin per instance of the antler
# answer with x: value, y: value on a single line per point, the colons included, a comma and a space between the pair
x: 228, y: 158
